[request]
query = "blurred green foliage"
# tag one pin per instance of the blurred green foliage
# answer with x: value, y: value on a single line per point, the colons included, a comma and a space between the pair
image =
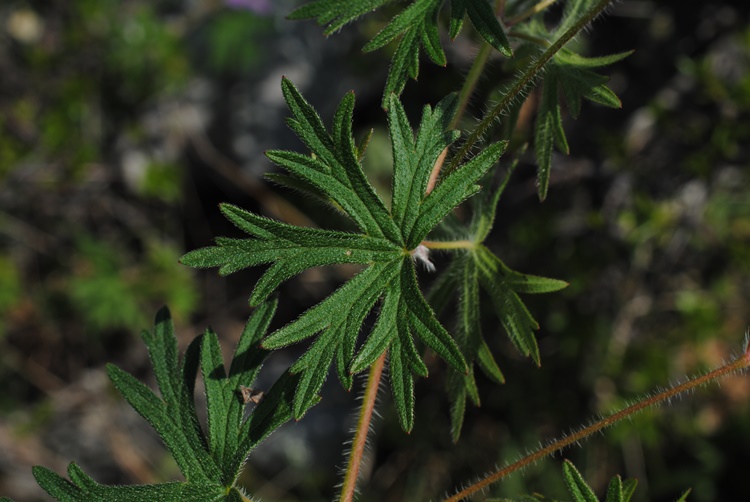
x: 112, y: 290
x: 233, y: 46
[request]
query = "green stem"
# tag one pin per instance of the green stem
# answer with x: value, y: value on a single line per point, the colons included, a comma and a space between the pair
x: 349, y: 485
x: 536, y: 9
x: 737, y: 364
x: 449, y: 244
x: 471, y: 82
x: 525, y: 81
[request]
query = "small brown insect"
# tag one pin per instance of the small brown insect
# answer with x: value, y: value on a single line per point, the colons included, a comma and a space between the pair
x: 251, y: 395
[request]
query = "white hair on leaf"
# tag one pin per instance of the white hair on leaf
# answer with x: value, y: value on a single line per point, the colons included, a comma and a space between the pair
x: 421, y: 254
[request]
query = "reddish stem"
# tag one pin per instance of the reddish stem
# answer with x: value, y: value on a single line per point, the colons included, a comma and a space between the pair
x: 363, y: 427
x: 740, y: 363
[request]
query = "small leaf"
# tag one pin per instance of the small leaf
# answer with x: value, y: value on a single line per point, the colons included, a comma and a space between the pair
x: 628, y: 489
x: 614, y: 490
x: 533, y: 284
x: 488, y: 365
x: 487, y: 25
x: 684, y: 495
x: 458, y: 11
x: 431, y: 44
x: 513, y: 314
x: 577, y: 486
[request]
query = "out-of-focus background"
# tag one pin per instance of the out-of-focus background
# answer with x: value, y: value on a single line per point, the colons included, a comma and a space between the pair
x: 124, y: 123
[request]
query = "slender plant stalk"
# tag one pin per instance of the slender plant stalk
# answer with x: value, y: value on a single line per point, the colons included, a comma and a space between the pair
x: 525, y: 81
x: 363, y: 426
x: 535, y: 9
x: 467, y: 244
x: 476, y: 70
x: 737, y: 364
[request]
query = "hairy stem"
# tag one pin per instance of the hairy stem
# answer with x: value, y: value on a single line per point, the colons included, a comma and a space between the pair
x: 737, y: 364
x: 349, y: 485
x: 525, y: 81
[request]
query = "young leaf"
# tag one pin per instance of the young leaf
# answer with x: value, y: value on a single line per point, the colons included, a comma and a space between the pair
x: 210, y: 464
x: 684, y: 495
x: 416, y: 24
x: 614, y: 490
x: 628, y: 489
x: 385, y: 246
x: 577, y: 486
x: 565, y: 73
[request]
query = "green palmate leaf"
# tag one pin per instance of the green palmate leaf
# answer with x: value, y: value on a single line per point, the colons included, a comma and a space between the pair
x: 566, y: 74
x: 577, y: 486
x: 416, y: 24
x: 569, y: 75
x: 479, y: 269
x: 210, y: 462
x: 577, y: 81
x: 387, y: 246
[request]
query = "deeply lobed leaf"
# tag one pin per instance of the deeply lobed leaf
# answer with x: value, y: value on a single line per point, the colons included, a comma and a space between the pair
x: 479, y: 269
x: 210, y: 462
x: 384, y: 246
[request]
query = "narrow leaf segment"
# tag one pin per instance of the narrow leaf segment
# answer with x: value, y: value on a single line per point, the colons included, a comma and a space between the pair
x: 211, y: 461
x: 384, y: 246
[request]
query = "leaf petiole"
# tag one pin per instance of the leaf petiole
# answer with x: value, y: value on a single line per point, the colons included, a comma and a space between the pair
x: 463, y: 244
x: 533, y: 10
